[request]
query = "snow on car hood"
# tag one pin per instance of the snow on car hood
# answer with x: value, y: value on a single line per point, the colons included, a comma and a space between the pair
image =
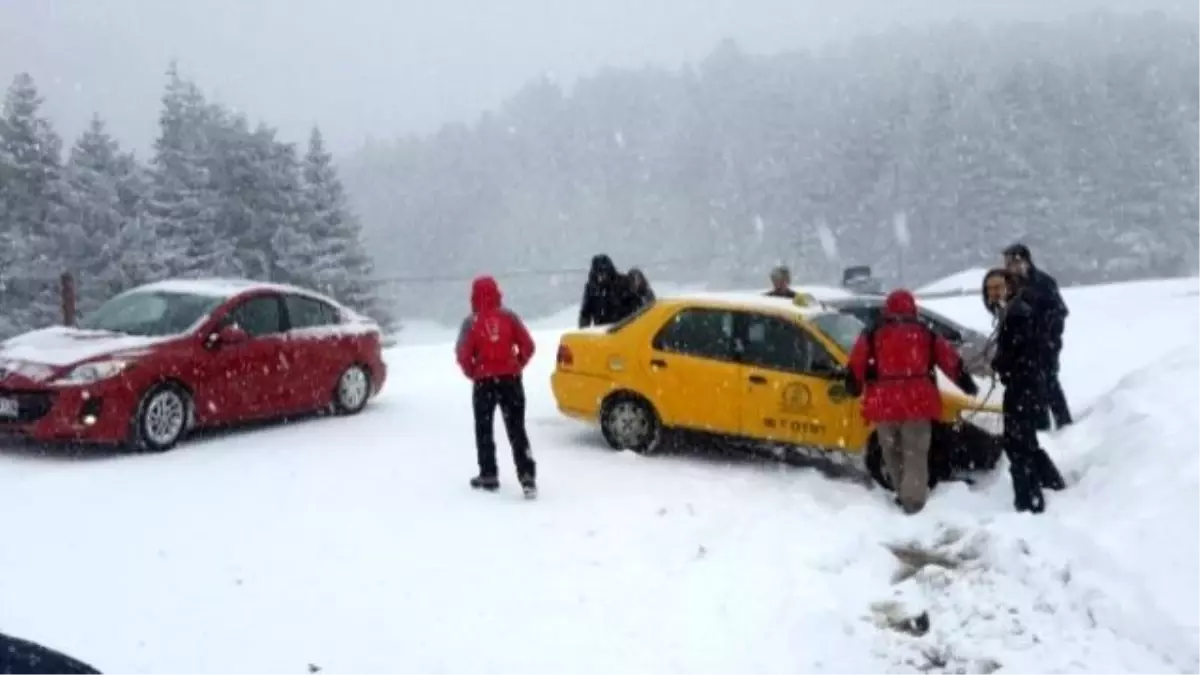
x: 60, y: 346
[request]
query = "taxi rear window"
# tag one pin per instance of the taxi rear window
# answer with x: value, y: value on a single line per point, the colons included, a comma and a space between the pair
x: 616, y: 327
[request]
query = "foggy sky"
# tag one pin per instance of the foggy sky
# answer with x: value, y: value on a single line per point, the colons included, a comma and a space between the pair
x: 380, y: 68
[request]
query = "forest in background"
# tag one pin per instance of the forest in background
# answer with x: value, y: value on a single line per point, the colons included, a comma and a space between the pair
x: 1078, y: 137
x: 219, y: 197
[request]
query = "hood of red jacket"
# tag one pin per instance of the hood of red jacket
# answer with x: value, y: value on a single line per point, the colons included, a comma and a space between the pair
x: 900, y: 303
x: 485, y: 294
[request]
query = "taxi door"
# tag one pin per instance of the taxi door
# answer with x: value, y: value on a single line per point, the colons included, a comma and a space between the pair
x: 792, y: 394
x: 694, y: 378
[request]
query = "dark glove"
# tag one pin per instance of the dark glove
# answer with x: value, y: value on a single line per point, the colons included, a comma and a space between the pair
x: 851, y: 384
x: 967, y: 383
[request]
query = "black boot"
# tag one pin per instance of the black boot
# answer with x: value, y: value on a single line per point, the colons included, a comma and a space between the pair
x: 1047, y: 473
x: 1027, y: 487
x: 529, y: 487
x: 489, y: 483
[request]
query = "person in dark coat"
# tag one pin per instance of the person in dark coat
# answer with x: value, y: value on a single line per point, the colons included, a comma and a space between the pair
x: 893, y: 365
x: 493, y: 349
x: 606, y: 295
x: 22, y: 656
x: 640, y: 292
x: 1050, y: 313
x: 1018, y: 363
x: 781, y: 283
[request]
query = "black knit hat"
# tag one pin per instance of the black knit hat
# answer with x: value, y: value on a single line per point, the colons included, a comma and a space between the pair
x: 1019, y: 251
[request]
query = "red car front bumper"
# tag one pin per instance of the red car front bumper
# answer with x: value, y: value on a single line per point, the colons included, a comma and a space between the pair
x: 94, y: 413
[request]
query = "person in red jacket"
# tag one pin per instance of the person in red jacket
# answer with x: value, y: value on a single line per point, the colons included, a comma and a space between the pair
x: 493, y: 349
x: 893, y: 364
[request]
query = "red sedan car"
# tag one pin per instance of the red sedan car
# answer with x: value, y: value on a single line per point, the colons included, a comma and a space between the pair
x: 159, y: 360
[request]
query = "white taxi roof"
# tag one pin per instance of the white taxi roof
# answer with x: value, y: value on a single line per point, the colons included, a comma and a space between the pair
x: 750, y: 300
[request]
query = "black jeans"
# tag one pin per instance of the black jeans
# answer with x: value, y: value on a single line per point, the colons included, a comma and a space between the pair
x: 1056, y: 400
x: 508, y: 394
x: 1031, y: 468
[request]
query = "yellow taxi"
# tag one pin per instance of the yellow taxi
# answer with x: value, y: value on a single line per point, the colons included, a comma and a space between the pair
x: 762, y: 371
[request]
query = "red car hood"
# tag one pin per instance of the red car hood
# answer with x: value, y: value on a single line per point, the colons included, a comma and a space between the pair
x: 42, y: 354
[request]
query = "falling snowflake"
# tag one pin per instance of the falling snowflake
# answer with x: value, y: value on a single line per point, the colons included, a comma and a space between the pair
x: 900, y: 226
x: 828, y: 240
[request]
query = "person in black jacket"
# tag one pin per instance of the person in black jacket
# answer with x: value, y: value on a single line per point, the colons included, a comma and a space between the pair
x: 23, y: 656
x: 1050, y: 313
x: 606, y: 297
x: 640, y: 292
x: 1018, y: 364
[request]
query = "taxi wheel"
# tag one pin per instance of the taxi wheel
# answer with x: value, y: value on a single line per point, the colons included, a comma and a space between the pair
x: 629, y: 422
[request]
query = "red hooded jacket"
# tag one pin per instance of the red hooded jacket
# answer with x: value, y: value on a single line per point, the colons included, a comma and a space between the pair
x: 493, y: 342
x: 903, y: 387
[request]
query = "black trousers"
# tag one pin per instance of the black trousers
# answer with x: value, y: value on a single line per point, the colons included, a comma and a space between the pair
x: 1031, y: 468
x: 508, y: 394
x: 1056, y: 400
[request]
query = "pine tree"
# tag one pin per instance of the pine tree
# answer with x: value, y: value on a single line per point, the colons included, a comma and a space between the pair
x: 259, y: 182
x: 103, y: 198
x: 30, y: 206
x: 183, y: 207
x: 325, y: 250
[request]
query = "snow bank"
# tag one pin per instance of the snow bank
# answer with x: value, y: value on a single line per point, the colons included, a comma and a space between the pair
x: 1138, y: 467
x: 1106, y: 579
x: 1022, y: 597
x: 967, y: 281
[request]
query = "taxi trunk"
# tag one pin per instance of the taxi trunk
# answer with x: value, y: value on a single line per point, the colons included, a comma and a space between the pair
x: 584, y: 374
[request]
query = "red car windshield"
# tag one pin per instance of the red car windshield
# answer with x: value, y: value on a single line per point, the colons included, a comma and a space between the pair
x: 151, y: 313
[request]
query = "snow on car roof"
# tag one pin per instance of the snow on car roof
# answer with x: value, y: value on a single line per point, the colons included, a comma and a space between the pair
x: 218, y: 287
x: 215, y: 287
x: 754, y: 301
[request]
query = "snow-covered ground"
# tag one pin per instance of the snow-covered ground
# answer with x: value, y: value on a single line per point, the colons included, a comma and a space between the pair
x: 355, y: 544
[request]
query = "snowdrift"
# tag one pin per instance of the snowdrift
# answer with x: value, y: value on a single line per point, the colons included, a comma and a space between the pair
x: 1106, y: 579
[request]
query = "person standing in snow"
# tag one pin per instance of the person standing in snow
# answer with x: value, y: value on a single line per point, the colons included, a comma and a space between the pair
x: 493, y: 349
x: 1018, y: 363
x: 893, y: 364
x: 781, y: 283
x: 1050, y: 312
x: 606, y: 295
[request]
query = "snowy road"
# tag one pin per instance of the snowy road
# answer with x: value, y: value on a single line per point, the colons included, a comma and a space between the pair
x: 356, y: 545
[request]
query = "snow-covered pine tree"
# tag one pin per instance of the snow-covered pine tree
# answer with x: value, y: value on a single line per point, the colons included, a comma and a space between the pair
x: 325, y: 250
x: 30, y: 206
x: 259, y: 179
x: 103, y: 194
x: 184, y: 207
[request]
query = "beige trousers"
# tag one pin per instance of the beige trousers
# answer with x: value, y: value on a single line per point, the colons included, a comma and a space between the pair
x: 905, y: 447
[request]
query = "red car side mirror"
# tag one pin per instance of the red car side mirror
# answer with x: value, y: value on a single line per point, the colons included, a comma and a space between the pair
x: 227, y: 336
